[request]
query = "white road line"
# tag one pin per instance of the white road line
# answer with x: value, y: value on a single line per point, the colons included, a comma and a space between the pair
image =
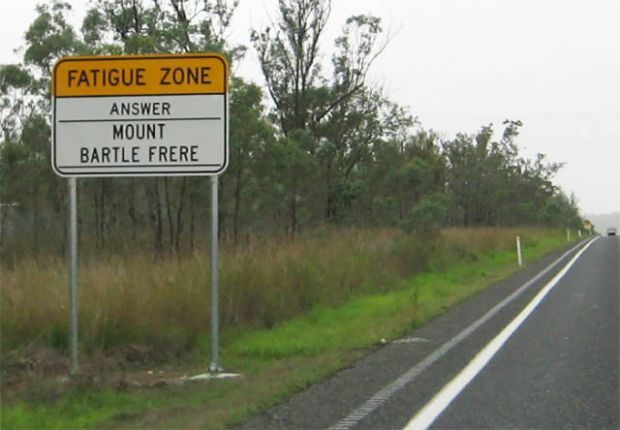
x: 427, y: 415
x: 384, y: 394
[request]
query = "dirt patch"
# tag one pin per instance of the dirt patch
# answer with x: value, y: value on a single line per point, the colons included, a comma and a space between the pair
x: 40, y: 374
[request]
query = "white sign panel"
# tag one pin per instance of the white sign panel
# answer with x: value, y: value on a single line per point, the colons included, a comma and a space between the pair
x: 132, y: 116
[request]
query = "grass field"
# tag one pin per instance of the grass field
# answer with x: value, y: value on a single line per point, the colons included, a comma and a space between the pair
x: 292, y: 313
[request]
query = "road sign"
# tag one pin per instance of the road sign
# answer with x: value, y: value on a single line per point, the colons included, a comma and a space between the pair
x: 155, y: 115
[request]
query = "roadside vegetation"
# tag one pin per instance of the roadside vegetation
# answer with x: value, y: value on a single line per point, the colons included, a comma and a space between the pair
x: 143, y: 328
x: 130, y: 300
x: 319, y: 146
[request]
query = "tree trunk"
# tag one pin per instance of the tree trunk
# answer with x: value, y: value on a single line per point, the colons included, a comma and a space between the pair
x: 192, y: 226
x: 330, y: 204
x: 222, y: 216
x: 152, y: 194
x: 293, y: 210
x: 169, y: 214
x: 96, y: 220
x: 35, y: 223
x: 401, y: 210
x: 179, y: 227
x: 102, y: 215
x: 237, y: 207
x: 132, y: 211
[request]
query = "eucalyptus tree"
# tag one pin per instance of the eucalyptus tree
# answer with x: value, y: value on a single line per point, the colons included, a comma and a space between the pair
x: 326, y: 111
x: 146, y: 27
x: 109, y: 27
x: 250, y: 136
x: 24, y: 116
x: 493, y: 185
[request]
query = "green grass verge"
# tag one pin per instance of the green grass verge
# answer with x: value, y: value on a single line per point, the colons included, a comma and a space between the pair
x: 276, y: 362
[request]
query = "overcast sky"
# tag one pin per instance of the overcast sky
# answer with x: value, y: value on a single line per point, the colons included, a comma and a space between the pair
x: 461, y: 64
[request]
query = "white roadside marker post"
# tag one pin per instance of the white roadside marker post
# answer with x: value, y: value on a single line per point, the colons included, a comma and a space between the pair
x: 568, y: 234
x: 519, y: 258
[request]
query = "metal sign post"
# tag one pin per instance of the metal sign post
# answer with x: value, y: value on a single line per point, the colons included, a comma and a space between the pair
x: 215, y: 317
x: 73, y: 273
x: 143, y: 115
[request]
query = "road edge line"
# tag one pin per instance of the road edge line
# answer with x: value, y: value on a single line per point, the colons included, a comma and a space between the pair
x: 444, y: 397
x: 408, y: 376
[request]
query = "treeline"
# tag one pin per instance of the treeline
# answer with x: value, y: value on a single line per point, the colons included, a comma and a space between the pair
x: 320, y: 147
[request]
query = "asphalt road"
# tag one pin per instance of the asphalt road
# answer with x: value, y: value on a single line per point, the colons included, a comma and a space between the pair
x: 558, y: 369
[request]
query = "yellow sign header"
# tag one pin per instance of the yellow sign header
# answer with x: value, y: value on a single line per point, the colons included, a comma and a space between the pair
x: 161, y: 74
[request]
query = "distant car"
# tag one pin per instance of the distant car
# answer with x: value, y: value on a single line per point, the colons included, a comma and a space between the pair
x: 611, y: 231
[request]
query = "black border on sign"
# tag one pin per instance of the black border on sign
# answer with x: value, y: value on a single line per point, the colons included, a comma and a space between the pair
x: 103, y: 171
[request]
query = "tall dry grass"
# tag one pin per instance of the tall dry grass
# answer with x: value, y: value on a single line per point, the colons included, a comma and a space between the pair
x: 132, y: 299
